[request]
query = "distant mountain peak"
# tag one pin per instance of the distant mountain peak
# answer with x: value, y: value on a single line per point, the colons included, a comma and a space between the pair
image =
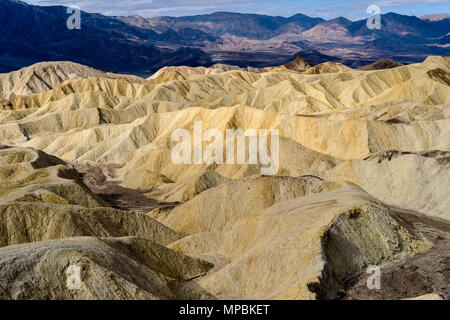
x: 141, y: 45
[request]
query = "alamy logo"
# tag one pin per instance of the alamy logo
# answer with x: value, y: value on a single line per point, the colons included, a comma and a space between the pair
x: 374, y: 281
x: 74, y: 21
x: 374, y: 21
x: 73, y: 280
x: 191, y: 151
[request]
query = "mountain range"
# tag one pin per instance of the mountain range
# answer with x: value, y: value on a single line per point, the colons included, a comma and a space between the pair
x: 36, y: 33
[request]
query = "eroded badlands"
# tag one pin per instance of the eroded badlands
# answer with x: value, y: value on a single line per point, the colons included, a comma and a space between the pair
x: 87, y: 179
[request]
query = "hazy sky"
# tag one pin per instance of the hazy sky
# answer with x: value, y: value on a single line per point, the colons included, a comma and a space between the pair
x: 320, y: 8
